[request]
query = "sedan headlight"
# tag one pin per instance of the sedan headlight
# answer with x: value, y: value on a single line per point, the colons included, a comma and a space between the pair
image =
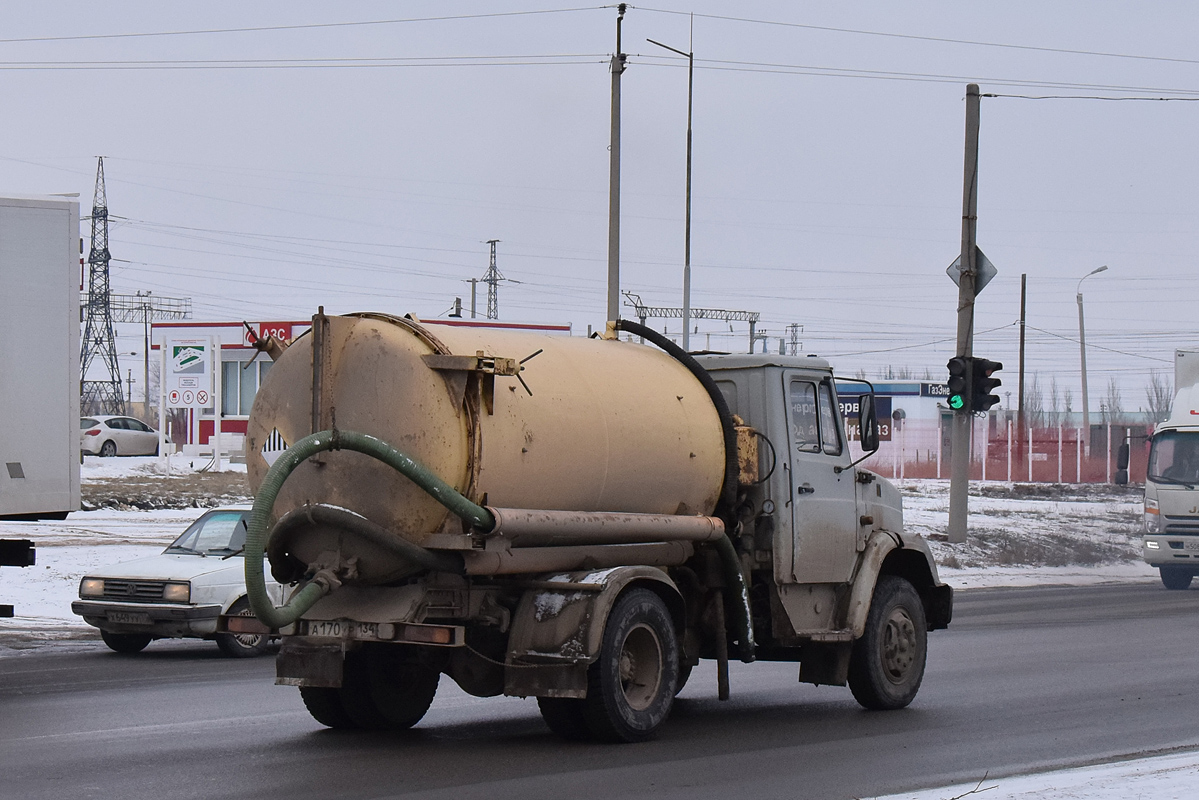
x: 177, y: 592
x: 91, y: 587
x: 1153, y: 517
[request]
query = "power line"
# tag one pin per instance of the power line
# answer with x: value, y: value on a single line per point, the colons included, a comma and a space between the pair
x: 915, y: 37
x: 308, y: 26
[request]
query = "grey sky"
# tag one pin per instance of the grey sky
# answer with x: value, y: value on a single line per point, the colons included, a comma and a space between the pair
x: 829, y: 201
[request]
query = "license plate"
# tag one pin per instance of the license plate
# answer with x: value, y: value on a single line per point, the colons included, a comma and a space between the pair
x: 1191, y: 544
x: 129, y: 617
x: 342, y: 629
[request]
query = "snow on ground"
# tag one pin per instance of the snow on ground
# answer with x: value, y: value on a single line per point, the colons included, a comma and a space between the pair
x: 1168, y: 777
x: 94, y: 467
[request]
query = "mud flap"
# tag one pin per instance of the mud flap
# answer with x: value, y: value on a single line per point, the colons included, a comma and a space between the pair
x: 825, y: 663
x: 303, y: 664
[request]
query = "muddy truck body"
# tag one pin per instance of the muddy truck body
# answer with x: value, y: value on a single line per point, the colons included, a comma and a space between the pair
x: 579, y: 520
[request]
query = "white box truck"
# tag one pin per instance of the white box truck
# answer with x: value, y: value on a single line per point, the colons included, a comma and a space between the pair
x: 39, y: 360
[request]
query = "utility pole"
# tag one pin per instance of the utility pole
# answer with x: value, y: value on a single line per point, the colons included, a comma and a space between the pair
x: 1082, y: 347
x: 690, y: 56
x: 618, y: 67
x: 1020, y: 391
x: 474, y: 282
x: 959, y: 483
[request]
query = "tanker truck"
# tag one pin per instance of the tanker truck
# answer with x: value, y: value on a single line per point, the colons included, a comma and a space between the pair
x: 579, y: 520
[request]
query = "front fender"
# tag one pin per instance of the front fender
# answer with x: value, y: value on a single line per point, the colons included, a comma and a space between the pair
x: 870, y: 564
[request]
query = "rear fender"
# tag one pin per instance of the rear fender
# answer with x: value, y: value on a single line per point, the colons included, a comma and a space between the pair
x: 557, y: 633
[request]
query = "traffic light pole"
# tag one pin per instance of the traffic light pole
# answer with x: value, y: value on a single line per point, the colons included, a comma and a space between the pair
x: 959, y: 476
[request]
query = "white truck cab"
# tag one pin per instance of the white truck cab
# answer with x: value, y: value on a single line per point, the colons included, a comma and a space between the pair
x: 1171, y: 540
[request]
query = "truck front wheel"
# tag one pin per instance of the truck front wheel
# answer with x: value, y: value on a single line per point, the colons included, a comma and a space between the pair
x: 630, y: 687
x: 1177, y: 578
x: 887, y: 663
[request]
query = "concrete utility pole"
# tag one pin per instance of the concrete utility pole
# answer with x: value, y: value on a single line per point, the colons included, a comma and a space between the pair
x: 1082, y: 348
x: 959, y: 476
x: 474, y: 284
x: 1020, y: 391
x: 618, y: 67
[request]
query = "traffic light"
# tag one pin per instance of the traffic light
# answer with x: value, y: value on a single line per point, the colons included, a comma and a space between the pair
x: 983, y: 384
x: 959, y: 369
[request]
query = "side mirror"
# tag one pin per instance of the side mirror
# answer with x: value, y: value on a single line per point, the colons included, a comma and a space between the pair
x: 1122, y: 459
x: 868, y: 423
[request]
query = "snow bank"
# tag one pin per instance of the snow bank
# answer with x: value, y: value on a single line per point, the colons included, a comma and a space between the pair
x: 1168, y: 777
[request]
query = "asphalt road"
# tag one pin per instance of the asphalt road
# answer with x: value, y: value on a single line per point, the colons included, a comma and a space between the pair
x: 1025, y: 678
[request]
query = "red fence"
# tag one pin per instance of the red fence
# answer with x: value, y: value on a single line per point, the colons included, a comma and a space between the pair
x: 1002, y: 452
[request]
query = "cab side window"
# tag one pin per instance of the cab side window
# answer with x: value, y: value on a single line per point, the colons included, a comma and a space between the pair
x: 805, y: 429
x: 830, y: 434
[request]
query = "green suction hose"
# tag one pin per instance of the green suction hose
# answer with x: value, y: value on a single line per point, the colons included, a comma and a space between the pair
x: 323, y: 582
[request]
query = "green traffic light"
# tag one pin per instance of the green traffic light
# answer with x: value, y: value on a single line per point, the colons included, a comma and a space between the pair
x: 956, y: 402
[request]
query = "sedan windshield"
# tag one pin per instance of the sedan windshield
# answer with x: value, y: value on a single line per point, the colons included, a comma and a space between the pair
x: 1174, y: 458
x: 215, y: 533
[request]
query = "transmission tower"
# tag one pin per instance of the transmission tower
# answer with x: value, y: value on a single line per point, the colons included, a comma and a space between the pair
x: 492, y: 279
x: 793, y: 331
x: 99, y: 341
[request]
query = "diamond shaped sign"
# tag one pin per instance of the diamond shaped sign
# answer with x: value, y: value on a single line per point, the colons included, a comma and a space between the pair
x: 986, y: 270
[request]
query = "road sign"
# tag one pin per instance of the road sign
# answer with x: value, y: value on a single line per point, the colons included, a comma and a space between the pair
x: 986, y: 270
x: 188, y: 380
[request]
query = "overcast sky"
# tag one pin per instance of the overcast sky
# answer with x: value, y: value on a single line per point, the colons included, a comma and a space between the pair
x: 364, y: 166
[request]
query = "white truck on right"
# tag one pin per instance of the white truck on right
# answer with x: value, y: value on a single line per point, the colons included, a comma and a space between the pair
x: 1171, y: 540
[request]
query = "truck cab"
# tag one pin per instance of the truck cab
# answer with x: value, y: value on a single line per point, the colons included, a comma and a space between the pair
x: 1171, y: 538
x: 815, y: 523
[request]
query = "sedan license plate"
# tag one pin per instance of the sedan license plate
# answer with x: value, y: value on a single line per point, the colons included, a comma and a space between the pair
x: 342, y: 629
x: 129, y: 617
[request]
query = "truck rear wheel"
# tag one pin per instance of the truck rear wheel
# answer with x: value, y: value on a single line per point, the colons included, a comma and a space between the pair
x: 1176, y: 578
x: 630, y: 687
x: 887, y: 663
x: 564, y: 716
x: 325, y: 707
x: 384, y: 690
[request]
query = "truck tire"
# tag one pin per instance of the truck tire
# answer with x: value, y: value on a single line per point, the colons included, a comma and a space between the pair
x: 383, y: 690
x: 242, y: 645
x: 126, y: 642
x: 108, y: 449
x: 1176, y: 578
x: 630, y: 687
x: 325, y: 707
x: 564, y: 716
x: 887, y: 662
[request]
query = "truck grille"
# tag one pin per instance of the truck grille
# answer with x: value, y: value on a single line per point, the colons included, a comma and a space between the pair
x: 133, y: 591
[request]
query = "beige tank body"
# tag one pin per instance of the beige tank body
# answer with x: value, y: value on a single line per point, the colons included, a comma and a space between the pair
x: 610, y: 426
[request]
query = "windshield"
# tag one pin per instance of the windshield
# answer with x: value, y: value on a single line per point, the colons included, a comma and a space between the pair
x: 215, y: 533
x: 1174, y: 458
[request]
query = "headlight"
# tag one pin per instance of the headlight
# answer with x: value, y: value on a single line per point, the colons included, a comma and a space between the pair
x: 177, y: 592
x: 1153, y: 518
x: 91, y: 587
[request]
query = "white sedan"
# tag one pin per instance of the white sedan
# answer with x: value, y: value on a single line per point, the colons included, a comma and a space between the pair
x: 107, y: 435
x: 189, y: 591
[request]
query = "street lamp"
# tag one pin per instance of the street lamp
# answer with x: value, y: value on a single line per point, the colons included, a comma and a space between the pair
x: 687, y: 246
x: 1082, y: 348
